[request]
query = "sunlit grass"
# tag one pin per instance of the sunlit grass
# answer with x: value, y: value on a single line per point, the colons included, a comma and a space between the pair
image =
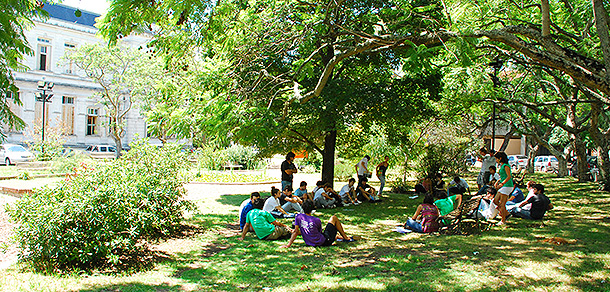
x: 514, y: 258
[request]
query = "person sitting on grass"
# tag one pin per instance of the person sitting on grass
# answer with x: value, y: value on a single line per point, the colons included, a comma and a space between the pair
x: 539, y: 204
x: 301, y: 192
x: 515, y: 198
x: 322, y: 199
x: 319, y: 185
x: 457, y: 186
x: 348, y: 193
x: 272, y: 205
x: 425, y: 218
x: 245, y: 207
x: 292, y: 202
x: 333, y: 194
x: 438, y: 183
x: 491, y: 180
x: 446, y: 204
x: 487, y: 209
x: 264, y: 224
x: 310, y: 228
x: 365, y: 192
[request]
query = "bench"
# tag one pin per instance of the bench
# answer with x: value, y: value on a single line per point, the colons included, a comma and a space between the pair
x: 459, y: 222
x: 231, y: 166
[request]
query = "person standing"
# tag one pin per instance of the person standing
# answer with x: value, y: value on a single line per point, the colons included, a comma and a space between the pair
x: 362, y: 168
x: 486, y: 162
x: 288, y: 169
x: 381, y: 170
x: 504, y: 185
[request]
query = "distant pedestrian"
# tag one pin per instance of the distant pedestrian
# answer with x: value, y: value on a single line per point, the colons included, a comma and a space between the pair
x: 288, y: 169
x: 381, y: 170
x: 487, y: 160
x: 362, y: 169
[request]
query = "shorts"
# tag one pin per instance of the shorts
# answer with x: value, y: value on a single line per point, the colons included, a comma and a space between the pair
x: 330, y: 233
x: 278, y: 233
x: 506, y: 190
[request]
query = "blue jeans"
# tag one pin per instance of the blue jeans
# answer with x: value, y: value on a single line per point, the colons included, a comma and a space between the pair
x: 382, y: 180
x: 413, y: 225
x: 521, y: 213
x: 284, y: 184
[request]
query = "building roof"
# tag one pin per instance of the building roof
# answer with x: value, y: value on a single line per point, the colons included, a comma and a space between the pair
x: 67, y: 13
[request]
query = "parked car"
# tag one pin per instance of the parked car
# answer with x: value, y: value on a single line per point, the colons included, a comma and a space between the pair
x: 546, y: 163
x: 517, y: 161
x: 101, y: 151
x: 11, y: 153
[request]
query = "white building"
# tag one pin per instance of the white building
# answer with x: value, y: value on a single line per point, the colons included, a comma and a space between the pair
x: 72, y: 107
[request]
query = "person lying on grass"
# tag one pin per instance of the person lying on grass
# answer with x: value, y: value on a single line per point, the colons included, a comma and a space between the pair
x: 310, y: 228
x: 272, y: 205
x: 264, y: 224
x: 425, y: 218
x: 245, y: 207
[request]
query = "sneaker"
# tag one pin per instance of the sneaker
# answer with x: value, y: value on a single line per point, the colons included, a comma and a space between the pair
x: 346, y: 204
x: 356, y: 203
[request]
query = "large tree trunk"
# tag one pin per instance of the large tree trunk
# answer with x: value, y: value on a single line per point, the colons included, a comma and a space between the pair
x: 581, y: 156
x: 328, y: 157
x: 531, y: 155
x: 601, y: 24
x: 546, y: 17
x: 602, y: 142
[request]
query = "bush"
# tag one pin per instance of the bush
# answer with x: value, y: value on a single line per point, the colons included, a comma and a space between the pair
x: 344, y: 170
x: 444, y: 158
x: 211, y: 158
x: 105, y: 215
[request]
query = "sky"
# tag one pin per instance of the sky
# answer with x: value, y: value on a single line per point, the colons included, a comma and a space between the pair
x: 97, y: 6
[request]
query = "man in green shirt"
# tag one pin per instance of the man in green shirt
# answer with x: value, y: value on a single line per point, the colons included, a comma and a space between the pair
x: 264, y: 224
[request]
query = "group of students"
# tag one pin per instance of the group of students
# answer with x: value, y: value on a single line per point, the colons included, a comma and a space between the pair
x: 261, y: 217
x: 496, y: 187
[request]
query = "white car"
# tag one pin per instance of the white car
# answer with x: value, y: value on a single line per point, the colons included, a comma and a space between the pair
x: 517, y: 161
x: 12, y: 153
x: 101, y: 151
x: 546, y: 163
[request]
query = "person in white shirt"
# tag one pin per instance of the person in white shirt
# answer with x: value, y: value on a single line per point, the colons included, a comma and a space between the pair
x: 362, y: 168
x: 457, y: 186
x: 487, y: 161
x: 272, y: 204
x: 348, y: 193
x: 322, y: 198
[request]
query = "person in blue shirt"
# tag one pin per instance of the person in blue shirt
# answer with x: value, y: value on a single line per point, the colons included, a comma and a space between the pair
x: 245, y: 207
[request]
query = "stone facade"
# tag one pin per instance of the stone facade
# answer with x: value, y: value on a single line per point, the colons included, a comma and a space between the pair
x: 73, y: 106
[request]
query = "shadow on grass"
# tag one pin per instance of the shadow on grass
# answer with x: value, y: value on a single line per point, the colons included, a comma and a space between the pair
x: 501, y: 259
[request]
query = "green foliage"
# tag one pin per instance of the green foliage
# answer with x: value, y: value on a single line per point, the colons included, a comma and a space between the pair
x: 211, y: 158
x: 232, y: 177
x: 54, y: 138
x: 103, y: 215
x: 15, y: 18
x: 344, y: 170
x: 25, y: 175
x: 447, y: 158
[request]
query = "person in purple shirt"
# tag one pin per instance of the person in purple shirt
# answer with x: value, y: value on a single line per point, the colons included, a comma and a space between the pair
x: 310, y: 228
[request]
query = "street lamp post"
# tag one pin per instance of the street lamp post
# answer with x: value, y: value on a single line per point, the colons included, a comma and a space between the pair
x: 496, y: 65
x: 42, y: 95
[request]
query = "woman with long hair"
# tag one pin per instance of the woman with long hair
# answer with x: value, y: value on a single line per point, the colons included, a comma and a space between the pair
x: 504, y: 185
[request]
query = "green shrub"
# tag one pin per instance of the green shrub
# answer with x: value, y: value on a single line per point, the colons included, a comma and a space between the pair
x: 211, y: 158
x: 344, y: 170
x: 25, y: 175
x: 105, y: 215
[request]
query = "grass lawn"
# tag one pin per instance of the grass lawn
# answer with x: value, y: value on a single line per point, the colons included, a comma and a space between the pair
x: 511, y: 258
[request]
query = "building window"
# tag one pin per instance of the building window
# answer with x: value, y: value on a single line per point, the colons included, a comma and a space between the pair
x: 43, y: 58
x: 92, y: 118
x: 69, y: 48
x: 67, y: 114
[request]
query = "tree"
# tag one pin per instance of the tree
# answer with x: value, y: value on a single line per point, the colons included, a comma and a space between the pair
x: 15, y: 17
x: 320, y: 38
x: 124, y: 75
